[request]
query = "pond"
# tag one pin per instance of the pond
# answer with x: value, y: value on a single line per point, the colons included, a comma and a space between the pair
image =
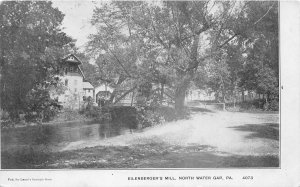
x: 55, y: 137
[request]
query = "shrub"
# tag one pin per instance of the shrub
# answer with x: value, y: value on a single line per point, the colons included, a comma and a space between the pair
x: 273, y: 105
x: 4, y: 115
x: 257, y: 104
x: 92, y: 111
x: 148, y: 117
x: 125, y: 115
x: 168, y: 113
x: 40, y: 106
x: 68, y: 115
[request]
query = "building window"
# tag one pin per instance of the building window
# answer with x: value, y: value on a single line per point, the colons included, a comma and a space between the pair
x: 89, y: 91
x: 66, y: 82
x: 71, y: 69
x: 75, y: 89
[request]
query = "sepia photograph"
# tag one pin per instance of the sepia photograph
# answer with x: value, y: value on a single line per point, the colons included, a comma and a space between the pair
x: 140, y: 85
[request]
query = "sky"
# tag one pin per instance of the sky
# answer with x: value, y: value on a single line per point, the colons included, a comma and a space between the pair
x: 76, y: 22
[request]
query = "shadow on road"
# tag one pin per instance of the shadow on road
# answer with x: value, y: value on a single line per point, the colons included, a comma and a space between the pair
x: 264, y: 130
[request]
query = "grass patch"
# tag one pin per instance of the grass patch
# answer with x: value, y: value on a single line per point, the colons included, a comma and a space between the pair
x: 137, y: 156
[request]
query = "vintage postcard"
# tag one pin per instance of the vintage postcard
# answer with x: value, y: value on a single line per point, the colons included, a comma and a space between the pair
x: 149, y: 93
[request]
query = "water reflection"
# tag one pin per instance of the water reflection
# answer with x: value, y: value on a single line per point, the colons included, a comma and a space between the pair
x: 58, y: 135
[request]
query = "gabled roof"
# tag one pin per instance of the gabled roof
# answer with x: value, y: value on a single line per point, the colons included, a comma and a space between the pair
x: 81, y: 72
x: 72, y: 59
x: 87, y: 85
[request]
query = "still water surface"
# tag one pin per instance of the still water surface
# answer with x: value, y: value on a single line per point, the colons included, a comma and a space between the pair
x: 55, y: 137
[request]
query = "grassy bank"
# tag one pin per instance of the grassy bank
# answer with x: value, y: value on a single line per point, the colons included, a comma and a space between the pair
x: 138, y: 156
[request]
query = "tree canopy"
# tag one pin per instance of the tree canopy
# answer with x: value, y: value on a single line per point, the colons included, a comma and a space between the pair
x: 31, y: 43
x: 229, y: 46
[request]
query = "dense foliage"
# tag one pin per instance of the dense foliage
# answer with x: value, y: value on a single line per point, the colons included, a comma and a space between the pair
x: 31, y: 44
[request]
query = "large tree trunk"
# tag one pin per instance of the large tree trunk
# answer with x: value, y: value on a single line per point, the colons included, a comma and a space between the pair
x: 268, y: 96
x: 187, y: 76
x: 243, y: 96
x: 179, y: 101
x: 180, y: 91
x: 179, y: 98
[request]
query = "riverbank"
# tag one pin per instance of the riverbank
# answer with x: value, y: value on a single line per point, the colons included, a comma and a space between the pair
x: 63, y: 117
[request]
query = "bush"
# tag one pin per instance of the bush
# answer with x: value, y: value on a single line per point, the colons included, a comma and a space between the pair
x: 91, y: 112
x: 273, y: 105
x: 98, y: 113
x: 134, y: 117
x: 40, y: 106
x: 4, y: 115
x: 68, y: 115
x: 125, y: 116
x: 168, y: 113
x: 148, y: 117
x: 257, y: 104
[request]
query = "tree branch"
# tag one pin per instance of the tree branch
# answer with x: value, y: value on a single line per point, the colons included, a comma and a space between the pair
x: 264, y: 15
x: 228, y: 40
x: 120, y: 80
x: 121, y: 64
x: 256, y: 22
x: 103, y: 79
x: 126, y: 93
